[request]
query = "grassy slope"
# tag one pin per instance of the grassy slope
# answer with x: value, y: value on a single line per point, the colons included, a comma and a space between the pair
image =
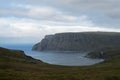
x: 14, y: 65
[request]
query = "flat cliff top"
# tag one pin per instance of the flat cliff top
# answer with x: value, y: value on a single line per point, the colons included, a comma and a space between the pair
x: 78, y: 41
x: 101, y: 33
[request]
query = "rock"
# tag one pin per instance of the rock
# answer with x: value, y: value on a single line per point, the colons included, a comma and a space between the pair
x: 82, y: 41
x: 104, y: 53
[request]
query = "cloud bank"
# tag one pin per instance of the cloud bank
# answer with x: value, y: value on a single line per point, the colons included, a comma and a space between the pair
x: 25, y: 19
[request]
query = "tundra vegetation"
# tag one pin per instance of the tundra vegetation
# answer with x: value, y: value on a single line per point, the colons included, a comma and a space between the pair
x: 15, y: 65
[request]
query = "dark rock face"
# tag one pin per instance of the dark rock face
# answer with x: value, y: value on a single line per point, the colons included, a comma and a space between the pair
x: 84, y: 41
x: 104, y: 53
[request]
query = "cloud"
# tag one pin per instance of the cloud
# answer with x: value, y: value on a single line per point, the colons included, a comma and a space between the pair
x: 35, y: 18
x: 42, y: 12
x: 24, y: 30
x: 37, y: 12
x: 104, y: 6
x: 101, y: 12
x: 23, y: 27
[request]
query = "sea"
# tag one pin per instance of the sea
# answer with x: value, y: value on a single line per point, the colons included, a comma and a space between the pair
x: 56, y: 58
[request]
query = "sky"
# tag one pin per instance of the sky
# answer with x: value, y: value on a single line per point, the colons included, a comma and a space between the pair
x: 28, y: 21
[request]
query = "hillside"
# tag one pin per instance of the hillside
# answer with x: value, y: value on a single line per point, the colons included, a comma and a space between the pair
x: 83, y: 41
x: 104, y: 53
x: 15, y: 65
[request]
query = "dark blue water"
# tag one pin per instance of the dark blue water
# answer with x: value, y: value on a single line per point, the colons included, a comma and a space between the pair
x: 57, y: 58
x: 24, y: 47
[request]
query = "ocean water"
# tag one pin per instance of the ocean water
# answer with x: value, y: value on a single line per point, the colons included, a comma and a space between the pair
x: 56, y: 58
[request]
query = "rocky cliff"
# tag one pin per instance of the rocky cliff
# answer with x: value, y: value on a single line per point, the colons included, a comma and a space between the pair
x: 82, y: 41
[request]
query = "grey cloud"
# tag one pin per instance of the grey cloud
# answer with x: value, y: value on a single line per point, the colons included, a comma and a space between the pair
x: 102, y: 12
x: 87, y: 6
x: 107, y: 7
x: 107, y: 11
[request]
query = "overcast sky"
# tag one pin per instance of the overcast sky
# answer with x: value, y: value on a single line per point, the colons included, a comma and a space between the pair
x: 27, y: 21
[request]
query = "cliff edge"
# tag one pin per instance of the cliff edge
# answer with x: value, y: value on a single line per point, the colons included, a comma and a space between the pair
x: 81, y: 41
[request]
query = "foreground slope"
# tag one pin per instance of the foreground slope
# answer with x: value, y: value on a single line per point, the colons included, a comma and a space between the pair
x: 82, y: 41
x: 15, y: 65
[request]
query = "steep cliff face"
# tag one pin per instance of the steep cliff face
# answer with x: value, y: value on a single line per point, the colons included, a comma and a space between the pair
x: 84, y: 41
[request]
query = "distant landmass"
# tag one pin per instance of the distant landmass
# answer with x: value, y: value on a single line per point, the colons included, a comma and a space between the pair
x: 81, y: 41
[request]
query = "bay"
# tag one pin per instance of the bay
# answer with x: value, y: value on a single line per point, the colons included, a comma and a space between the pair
x: 56, y: 58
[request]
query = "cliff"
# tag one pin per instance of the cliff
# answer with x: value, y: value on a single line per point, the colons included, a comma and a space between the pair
x: 82, y: 41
